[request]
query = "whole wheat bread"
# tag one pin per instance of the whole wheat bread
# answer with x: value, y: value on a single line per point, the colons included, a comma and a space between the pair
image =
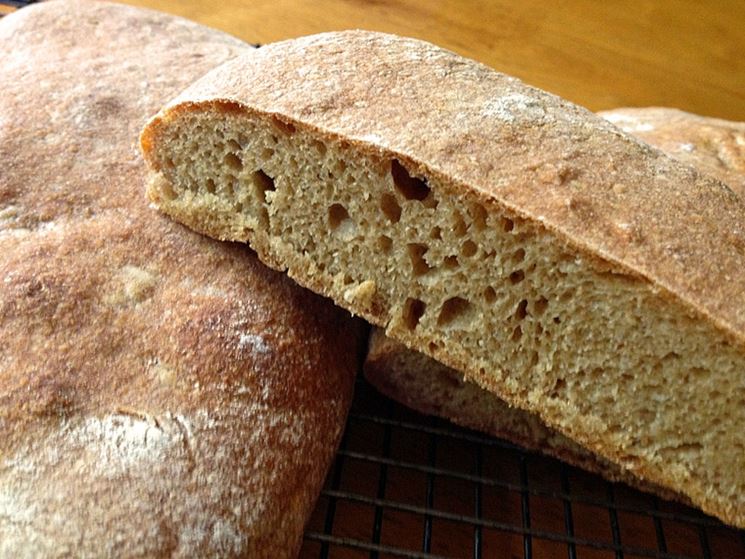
x: 560, y: 263
x: 161, y: 394
x: 712, y: 145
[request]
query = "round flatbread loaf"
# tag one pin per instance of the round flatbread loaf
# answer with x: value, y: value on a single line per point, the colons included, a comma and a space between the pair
x: 712, y: 145
x: 161, y: 394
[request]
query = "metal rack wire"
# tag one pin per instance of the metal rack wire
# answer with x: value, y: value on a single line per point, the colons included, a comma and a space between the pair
x: 405, y: 485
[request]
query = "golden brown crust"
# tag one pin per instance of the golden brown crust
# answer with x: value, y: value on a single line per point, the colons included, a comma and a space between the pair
x: 540, y: 157
x: 161, y: 394
x: 712, y: 145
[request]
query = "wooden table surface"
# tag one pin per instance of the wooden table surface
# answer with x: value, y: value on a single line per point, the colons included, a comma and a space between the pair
x: 688, y: 54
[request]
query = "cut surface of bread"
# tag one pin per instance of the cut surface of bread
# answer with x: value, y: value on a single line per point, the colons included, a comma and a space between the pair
x: 161, y: 394
x: 429, y: 387
x: 569, y: 268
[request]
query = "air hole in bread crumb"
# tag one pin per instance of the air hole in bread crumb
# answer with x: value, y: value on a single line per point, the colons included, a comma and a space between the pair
x: 451, y: 262
x: 267, y: 153
x: 338, y: 214
x: 538, y: 329
x: 419, y: 265
x: 385, y: 244
x: 320, y: 147
x: 478, y: 215
x: 390, y: 208
x: 517, y: 276
x: 282, y: 126
x: 518, y: 256
x: 209, y: 184
x: 233, y: 145
x: 233, y: 161
x: 455, y: 308
x: 517, y: 333
x: 262, y: 183
x: 410, y: 187
x: 468, y: 248
x: 559, y: 388
x: 490, y: 295
x: 540, y: 306
x: 230, y: 186
x: 507, y: 224
x: 557, y: 320
x: 460, y: 227
x: 436, y: 233
x: 432, y: 347
x: 413, y: 312
x: 522, y: 309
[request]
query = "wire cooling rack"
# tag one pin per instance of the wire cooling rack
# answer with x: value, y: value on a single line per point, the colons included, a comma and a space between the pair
x: 406, y: 485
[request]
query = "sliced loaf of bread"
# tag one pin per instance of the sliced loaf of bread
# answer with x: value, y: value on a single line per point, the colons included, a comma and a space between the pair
x: 560, y: 263
x: 420, y: 382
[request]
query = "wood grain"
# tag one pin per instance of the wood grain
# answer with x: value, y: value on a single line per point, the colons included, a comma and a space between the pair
x: 679, y: 53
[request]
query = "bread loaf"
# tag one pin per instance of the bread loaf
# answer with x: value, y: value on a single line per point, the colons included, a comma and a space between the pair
x: 560, y: 263
x: 161, y: 394
x: 432, y: 388
x: 712, y: 145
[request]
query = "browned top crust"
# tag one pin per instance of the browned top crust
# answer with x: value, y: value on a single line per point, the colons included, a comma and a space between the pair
x: 715, y: 146
x: 161, y: 394
x: 599, y: 189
